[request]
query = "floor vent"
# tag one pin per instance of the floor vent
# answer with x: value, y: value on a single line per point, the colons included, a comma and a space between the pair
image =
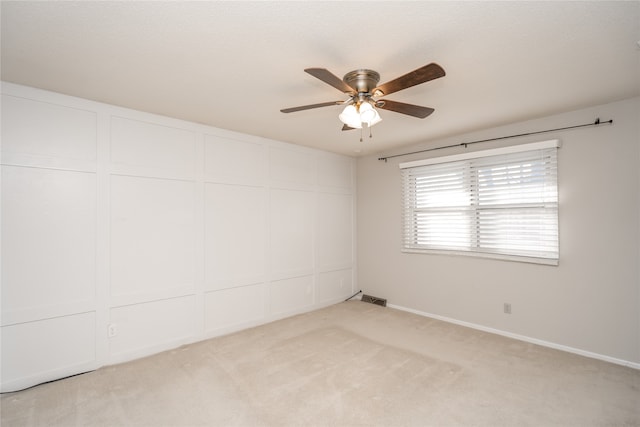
x: 374, y: 300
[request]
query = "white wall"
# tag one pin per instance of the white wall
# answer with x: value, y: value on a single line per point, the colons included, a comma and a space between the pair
x: 590, y: 303
x: 169, y: 231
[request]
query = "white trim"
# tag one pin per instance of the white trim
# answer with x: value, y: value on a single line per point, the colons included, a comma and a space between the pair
x: 552, y: 143
x: 627, y: 363
x: 488, y: 255
x: 23, y: 383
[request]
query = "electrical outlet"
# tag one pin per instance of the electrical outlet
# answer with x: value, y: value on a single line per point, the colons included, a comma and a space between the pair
x: 112, y: 330
x: 507, y: 308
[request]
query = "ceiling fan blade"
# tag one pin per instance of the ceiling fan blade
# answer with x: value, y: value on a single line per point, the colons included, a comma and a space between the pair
x: 345, y: 127
x: 330, y: 79
x: 415, y: 77
x: 401, y: 107
x: 308, y: 107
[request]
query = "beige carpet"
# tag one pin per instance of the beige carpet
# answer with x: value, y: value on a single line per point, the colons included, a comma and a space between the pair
x: 351, y: 364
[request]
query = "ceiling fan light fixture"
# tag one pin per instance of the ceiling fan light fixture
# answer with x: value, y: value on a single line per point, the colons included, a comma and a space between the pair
x: 375, y: 120
x: 358, y: 116
x: 367, y: 113
x: 351, y: 117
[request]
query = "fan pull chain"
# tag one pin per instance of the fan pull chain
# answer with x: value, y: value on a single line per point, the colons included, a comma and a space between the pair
x: 360, y: 134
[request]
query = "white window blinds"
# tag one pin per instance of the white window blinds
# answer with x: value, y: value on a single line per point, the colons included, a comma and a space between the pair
x: 498, y: 203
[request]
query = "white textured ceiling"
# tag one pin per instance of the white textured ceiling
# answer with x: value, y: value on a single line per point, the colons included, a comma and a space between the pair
x: 235, y: 64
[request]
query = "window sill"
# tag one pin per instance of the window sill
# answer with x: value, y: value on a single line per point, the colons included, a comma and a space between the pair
x: 514, y: 258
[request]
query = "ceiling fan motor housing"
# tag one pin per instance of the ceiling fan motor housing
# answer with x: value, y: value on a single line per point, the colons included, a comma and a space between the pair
x: 364, y: 81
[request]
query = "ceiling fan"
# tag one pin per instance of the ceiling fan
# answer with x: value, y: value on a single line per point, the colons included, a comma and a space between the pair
x: 361, y: 86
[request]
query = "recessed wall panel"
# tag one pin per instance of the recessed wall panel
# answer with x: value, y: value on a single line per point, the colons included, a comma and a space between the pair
x: 335, y: 171
x: 152, y: 238
x: 231, y: 307
x: 334, y: 285
x: 37, y: 133
x: 291, y: 239
x: 335, y: 230
x: 290, y: 295
x: 149, y: 327
x: 149, y: 149
x: 48, y: 239
x: 44, y: 350
x: 233, y: 161
x: 293, y: 167
x: 235, y: 235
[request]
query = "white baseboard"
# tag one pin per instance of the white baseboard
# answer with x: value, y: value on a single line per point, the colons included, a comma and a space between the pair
x: 524, y: 338
x: 23, y: 383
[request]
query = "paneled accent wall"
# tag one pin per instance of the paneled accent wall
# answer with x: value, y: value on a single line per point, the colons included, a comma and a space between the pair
x: 125, y: 233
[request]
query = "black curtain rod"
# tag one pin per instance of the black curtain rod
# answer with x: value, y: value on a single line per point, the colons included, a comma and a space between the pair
x: 465, y: 144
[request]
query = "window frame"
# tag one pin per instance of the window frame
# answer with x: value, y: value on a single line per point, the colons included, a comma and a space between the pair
x: 476, y: 249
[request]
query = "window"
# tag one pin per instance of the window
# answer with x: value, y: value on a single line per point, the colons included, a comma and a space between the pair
x: 500, y: 203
